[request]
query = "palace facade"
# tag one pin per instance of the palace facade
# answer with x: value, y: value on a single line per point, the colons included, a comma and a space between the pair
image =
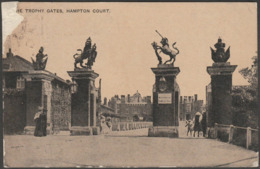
x: 135, y: 107
x: 189, y: 105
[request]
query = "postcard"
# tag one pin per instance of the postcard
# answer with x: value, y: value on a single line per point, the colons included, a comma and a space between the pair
x: 130, y: 84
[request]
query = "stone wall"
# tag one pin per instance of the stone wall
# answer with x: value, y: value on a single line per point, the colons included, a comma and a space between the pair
x: 60, y: 106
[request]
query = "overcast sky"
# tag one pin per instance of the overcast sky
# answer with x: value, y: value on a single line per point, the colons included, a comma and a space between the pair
x: 124, y: 35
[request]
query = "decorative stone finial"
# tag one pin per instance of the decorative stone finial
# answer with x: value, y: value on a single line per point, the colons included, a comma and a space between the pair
x: 89, y: 52
x: 41, y: 60
x: 166, y: 50
x: 219, y: 55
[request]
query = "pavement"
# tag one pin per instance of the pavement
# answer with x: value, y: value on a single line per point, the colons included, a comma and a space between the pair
x: 124, y: 149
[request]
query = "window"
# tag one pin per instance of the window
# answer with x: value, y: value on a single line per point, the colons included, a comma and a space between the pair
x: 20, y: 82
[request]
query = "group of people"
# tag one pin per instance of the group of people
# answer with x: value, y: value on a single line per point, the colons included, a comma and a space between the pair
x: 198, y: 124
x: 105, y: 124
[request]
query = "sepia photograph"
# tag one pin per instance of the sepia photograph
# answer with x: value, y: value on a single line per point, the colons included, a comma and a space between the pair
x: 130, y: 84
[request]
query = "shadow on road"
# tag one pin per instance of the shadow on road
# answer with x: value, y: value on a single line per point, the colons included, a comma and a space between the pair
x: 123, y: 136
x: 137, y: 136
x: 237, y: 161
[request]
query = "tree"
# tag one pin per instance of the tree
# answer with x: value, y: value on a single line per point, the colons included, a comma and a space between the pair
x: 251, y: 73
x: 244, y: 98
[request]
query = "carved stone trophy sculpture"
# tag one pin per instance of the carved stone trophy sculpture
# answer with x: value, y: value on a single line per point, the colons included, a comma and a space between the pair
x: 41, y: 60
x: 220, y: 55
x: 166, y: 50
x: 89, y: 52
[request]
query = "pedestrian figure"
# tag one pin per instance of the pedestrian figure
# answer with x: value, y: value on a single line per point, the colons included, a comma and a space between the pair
x: 102, y: 123
x: 109, y: 123
x: 40, y: 122
x: 43, y: 117
x: 190, y: 127
x: 197, y: 123
x: 204, y: 123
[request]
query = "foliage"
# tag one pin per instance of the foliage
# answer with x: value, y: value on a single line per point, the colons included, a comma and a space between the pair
x: 251, y: 73
x: 244, y: 99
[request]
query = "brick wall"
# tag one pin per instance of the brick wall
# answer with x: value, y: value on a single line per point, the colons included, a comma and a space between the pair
x: 60, y: 106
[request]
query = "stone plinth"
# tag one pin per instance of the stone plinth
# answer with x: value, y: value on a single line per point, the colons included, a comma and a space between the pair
x: 163, y: 131
x: 38, y: 93
x: 221, y: 85
x: 83, y: 105
x: 165, y: 102
x: 81, y: 130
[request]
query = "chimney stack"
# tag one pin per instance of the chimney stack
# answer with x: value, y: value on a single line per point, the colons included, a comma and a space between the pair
x: 185, y: 99
x: 9, y: 54
x: 196, y: 97
x: 105, y: 101
x: 149, y: 99
x: 122, y: 98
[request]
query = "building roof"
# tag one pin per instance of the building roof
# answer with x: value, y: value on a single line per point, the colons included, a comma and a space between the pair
x: 16, y: 64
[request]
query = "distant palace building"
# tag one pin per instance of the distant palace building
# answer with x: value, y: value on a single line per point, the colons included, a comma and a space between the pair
x: 189, y: 105
x: 135, y: 107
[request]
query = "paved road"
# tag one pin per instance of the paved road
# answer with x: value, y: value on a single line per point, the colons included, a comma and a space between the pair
x: 121, y: 149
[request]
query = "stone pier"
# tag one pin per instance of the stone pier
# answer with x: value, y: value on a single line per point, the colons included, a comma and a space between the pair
x: 38, y: 93
x: 83, y: 107
x: 221, y: 85
x: 165, y: 102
